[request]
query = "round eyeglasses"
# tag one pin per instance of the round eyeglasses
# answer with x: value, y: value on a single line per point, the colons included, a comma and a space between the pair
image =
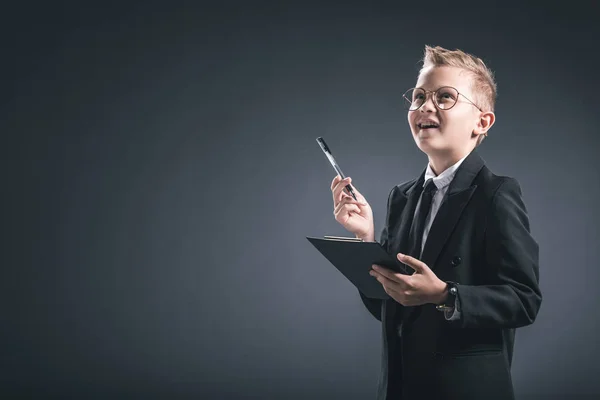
x: 444, y: 98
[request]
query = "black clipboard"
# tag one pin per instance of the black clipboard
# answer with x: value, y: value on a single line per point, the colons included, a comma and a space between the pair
x: 354, y: 257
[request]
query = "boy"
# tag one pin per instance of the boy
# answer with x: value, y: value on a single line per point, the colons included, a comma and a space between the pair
x: 449, y: 325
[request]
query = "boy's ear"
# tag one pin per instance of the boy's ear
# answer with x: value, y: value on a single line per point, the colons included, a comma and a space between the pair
x: 486, y: 120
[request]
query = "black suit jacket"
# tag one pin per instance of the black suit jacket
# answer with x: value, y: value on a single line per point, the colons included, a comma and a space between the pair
x: 480, y: 239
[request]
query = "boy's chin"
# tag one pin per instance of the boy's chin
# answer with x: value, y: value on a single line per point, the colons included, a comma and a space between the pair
x: 427, y: 141
x: 428, y: 136
x: 430, y: 145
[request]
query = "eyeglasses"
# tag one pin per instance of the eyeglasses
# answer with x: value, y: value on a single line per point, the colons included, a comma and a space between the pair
x: 444, y: 98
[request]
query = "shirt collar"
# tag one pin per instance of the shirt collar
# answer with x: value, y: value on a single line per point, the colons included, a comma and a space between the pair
x: 443, y: 179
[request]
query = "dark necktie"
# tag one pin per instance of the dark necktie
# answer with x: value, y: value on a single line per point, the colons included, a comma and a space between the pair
x: 418, y: 226
x: 415, y: 240
x: 408, y: 314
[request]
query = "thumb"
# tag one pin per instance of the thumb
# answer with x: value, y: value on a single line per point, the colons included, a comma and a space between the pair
x: 417, y: 265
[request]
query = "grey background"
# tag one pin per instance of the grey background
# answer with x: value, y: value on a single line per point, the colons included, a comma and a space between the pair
x: 160, y: 174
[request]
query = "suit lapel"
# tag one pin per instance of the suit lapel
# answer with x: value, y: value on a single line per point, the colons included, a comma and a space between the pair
x: 407, y: 202
x: 411, y: 198
x: 458, y: 195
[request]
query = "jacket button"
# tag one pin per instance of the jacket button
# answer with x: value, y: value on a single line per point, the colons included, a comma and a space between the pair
x: 456, y: 261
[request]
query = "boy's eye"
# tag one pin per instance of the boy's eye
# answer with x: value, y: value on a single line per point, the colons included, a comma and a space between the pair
x: 446, y: 96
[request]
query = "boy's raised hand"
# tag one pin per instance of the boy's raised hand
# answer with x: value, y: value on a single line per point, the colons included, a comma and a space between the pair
x: 355, y: 216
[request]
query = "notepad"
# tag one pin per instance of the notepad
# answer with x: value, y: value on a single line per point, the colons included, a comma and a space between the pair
x: 354, y: 257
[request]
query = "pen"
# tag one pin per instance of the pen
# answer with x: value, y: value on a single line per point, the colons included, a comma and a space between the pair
x: 327, y: 152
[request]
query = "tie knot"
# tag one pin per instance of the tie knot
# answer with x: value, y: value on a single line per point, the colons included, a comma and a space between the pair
x: 430, y: 187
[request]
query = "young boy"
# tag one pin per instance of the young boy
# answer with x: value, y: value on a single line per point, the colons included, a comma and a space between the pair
x: 449, y: 325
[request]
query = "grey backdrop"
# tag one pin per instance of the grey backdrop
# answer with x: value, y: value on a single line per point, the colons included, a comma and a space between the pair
x: 161, y: 174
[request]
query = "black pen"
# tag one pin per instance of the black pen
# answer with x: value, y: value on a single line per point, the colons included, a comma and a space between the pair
x: 327, y: 152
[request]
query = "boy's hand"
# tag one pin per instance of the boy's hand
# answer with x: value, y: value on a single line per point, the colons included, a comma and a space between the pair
x: 422, y: 287
x: 355, y: 216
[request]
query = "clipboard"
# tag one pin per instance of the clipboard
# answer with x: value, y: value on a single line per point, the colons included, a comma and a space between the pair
x: 353, y: 258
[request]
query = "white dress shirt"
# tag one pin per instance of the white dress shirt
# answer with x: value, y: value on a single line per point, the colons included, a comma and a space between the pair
x: 442, y: 182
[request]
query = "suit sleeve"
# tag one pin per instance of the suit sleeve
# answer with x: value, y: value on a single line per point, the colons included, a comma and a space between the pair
x: 374, y: 305
x: 513, y: 297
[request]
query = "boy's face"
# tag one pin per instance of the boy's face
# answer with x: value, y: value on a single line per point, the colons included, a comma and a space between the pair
x: 455, y: 131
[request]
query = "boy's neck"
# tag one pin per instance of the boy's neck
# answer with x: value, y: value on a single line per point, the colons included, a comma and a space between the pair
x: 440, y: 163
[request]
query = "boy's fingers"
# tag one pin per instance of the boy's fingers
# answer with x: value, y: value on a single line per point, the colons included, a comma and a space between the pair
x: 392, y: 276
x: 412, y: 262
x: 345, y: 194
x: 355, y: 189
x: 359, y: 196
x: 335, y: 181
x: 339, y: 207
x: 339, y: 188
x: 346, y: 207
x: 391, y: 287
x: 339, y: 191
x: 350, y: 199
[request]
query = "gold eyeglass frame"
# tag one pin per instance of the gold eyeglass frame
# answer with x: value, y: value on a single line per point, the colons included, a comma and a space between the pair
x: 434, y: 99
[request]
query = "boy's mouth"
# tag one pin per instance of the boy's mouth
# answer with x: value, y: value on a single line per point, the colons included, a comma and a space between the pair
x: 427, y: 125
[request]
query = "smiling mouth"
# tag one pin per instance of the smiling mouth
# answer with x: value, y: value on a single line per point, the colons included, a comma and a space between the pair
x: 427, y: 125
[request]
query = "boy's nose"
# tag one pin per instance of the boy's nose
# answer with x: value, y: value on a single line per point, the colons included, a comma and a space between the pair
x: 428, y: 105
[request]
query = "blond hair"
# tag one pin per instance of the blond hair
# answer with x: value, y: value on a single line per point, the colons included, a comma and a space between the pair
x: 483, y: 84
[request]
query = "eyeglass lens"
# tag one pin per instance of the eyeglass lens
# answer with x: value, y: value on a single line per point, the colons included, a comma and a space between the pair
x: 444, y: 98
